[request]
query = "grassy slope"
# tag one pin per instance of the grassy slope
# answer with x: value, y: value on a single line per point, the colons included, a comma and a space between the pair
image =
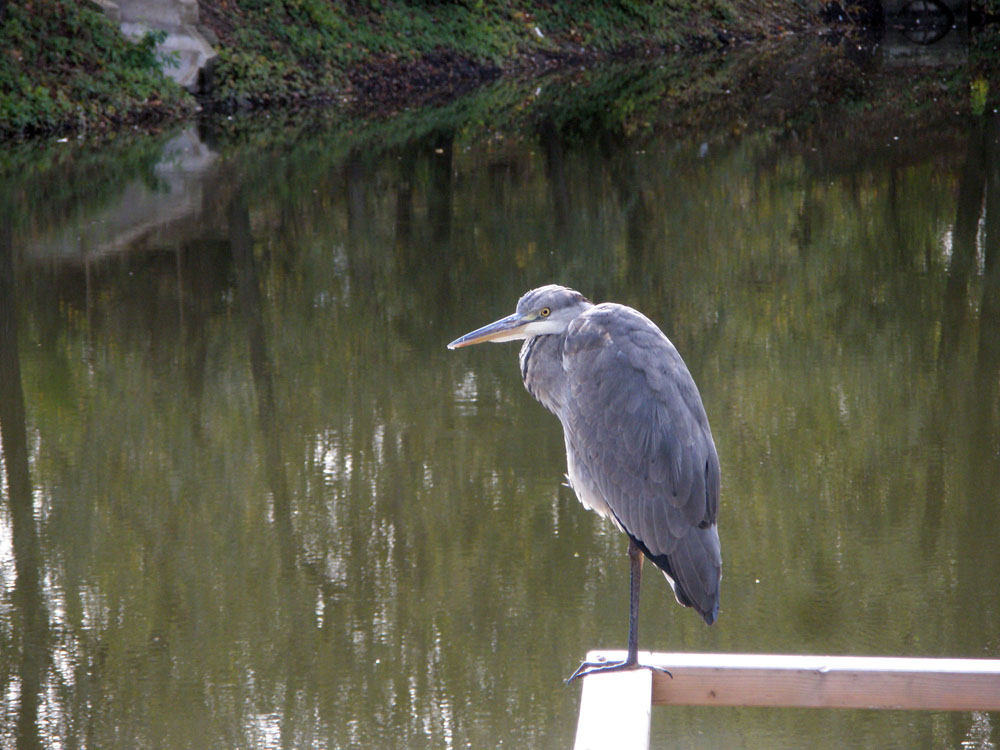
x: 295, y: 48
x: 65, y: 67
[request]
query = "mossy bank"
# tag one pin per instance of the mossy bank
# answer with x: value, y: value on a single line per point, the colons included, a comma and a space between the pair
x: 66, y: 69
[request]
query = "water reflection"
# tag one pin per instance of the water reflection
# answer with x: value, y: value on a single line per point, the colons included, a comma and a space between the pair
x: 246, y: 485
x: 27, y: 632
x: 161, y: 206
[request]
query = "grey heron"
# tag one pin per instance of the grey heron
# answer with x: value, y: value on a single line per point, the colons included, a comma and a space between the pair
x: 639, y: 449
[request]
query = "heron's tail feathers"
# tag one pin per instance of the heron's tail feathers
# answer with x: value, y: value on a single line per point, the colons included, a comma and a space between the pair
x: 697, y: 563
x: 693, y: 570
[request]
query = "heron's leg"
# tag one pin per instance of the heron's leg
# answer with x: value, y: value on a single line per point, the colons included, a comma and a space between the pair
x: 632, y: 658
x: 635, y: 559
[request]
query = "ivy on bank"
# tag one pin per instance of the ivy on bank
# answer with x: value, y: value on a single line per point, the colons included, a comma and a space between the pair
x: 64, y: 66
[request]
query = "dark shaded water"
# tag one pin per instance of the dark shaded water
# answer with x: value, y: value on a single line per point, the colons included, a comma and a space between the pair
x: 250, y: 499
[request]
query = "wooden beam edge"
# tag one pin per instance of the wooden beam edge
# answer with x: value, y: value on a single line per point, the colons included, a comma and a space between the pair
x: 785, y: 680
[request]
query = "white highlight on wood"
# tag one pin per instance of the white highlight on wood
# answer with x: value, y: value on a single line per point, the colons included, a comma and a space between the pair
x: 615, y: 711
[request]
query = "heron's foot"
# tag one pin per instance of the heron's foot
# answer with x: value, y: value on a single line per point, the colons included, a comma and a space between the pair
x: 588, y: 668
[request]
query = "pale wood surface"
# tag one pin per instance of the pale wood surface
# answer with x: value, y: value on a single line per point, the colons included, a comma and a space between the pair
x: 614, y: 711
x: 819, y: 681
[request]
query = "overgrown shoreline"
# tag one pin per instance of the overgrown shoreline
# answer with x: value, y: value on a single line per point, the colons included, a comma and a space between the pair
x: 66, y: 70
x: 313, y: 48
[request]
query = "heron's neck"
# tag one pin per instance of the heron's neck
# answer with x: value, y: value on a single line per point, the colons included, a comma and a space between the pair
x: 541, y: 369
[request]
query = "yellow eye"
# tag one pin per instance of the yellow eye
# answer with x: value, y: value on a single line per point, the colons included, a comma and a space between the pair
x: 545, y: 312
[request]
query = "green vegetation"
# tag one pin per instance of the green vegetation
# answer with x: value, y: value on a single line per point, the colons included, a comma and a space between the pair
x: 279, y: 52
x: 65, y: 66
x: 294, y: 48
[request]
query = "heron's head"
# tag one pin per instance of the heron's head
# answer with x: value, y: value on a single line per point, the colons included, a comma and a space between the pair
x: 545, y: 310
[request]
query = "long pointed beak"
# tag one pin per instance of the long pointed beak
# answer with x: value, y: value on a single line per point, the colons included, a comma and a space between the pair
x: 505, y: 329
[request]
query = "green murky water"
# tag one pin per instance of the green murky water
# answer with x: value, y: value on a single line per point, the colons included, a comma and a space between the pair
x: 250, y: 500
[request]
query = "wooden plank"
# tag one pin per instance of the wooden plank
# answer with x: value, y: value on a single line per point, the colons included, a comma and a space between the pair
x: 822, y: 681
x: 615, y: 711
